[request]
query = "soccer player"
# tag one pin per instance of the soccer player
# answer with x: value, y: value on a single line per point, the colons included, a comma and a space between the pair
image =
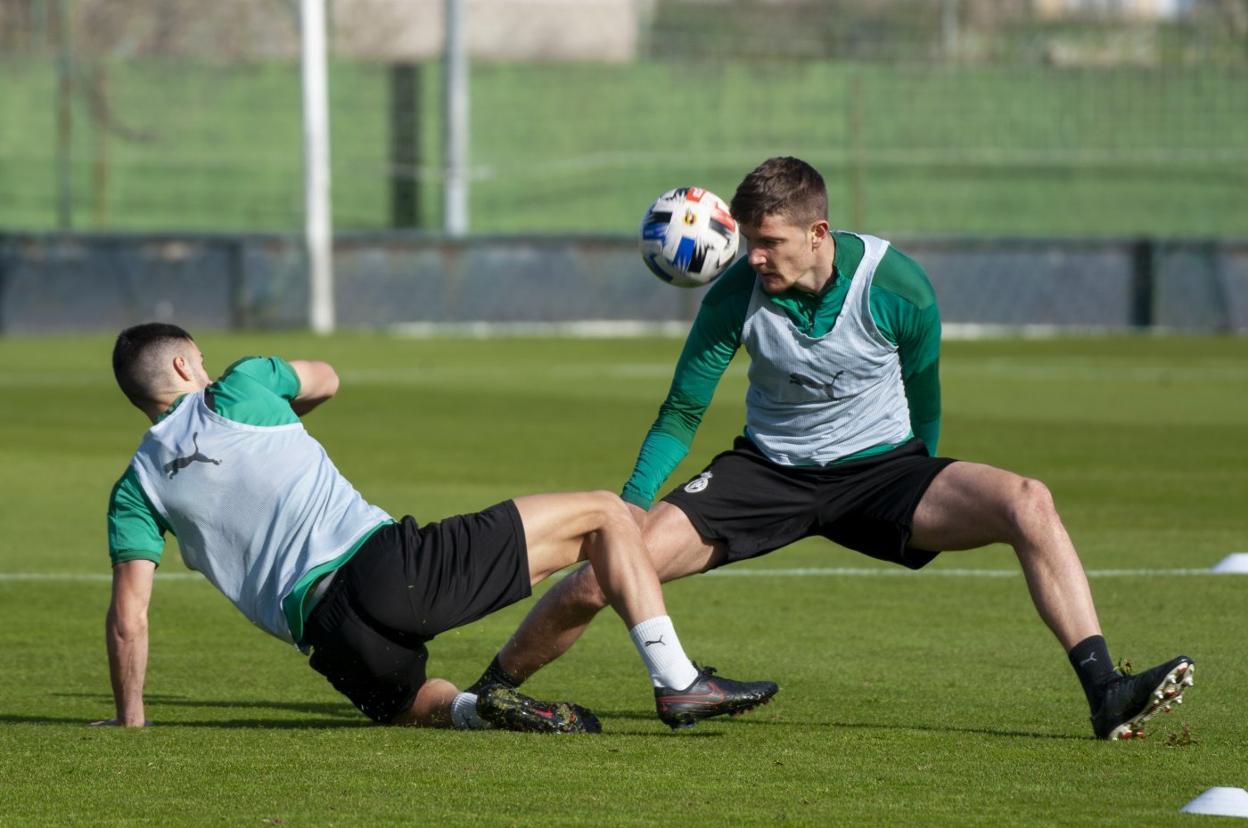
x: 258, y: 508
x: 842, y: 424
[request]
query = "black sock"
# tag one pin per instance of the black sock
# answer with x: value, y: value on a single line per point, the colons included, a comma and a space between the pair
x: 1090, y: 658
x: 494, y: 674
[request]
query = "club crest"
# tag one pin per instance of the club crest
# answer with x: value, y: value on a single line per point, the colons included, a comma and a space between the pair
x: 698, y: 483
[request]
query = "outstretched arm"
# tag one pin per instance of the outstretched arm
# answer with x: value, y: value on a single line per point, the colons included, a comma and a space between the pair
x: 127, y: 639
x: 713, y: 340
x: 318, y: 381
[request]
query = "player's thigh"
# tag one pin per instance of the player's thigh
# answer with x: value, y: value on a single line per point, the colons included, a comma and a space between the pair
x: 556, y: 527
x: 967, y: 505
x: 674, y: 545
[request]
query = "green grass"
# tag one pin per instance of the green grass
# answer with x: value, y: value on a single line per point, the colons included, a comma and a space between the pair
x: 910, y: 148
x: 908, y: 700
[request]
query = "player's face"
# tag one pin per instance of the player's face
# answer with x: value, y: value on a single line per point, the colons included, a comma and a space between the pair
x: 781, y: 253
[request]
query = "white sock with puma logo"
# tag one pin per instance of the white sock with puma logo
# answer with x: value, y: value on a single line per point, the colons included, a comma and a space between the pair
x: 656, y: 642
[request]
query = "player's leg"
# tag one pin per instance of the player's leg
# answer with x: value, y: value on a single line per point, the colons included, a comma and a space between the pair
x: 562, y: 529
x: 431, y: 707
x: 969, y: 505
x: 557, y: 620
x: 405, y: 585
x: 689, y: 531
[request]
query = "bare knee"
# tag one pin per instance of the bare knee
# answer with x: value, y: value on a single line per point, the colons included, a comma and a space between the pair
x: 1032, y: 511
x: 580, y: 591
x: 431, y: 707
x: 609, y: 515
x: 609, y: 509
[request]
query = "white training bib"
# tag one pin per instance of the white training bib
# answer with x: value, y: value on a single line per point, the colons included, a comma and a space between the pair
x: 254, y: 508
x: 812, y: 401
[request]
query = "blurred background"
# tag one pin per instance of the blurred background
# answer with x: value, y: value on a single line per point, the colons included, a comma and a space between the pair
x: 1055, y: 164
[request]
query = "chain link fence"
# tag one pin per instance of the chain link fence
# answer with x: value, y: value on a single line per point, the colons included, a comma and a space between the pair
x: 927, y: 116
x: 959, y: 122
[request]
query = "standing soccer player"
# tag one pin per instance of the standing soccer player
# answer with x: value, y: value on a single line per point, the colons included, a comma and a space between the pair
x: 259, y: 509
x: 842, y: 424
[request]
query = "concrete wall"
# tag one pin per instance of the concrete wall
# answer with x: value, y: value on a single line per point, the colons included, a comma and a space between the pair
x: 56, y: 283
x: 379, y: 31
x: 497, y: 30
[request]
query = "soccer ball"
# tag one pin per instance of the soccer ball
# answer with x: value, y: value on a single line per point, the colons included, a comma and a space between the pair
x: 688, y: 237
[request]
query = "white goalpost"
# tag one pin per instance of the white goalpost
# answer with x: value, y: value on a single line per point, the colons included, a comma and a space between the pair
x: 455, y: 120
x: 318, y: 229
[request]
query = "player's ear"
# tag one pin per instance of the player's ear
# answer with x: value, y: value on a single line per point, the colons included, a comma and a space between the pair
x: 182, y: 367
x: 818, y: 233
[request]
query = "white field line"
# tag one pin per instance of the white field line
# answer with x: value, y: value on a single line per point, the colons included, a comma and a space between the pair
x: 874, y: 572
x: 796, y: 572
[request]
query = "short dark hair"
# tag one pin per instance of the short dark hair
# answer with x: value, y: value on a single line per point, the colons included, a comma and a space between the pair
x: 784, y: 186
x: 137, y: 351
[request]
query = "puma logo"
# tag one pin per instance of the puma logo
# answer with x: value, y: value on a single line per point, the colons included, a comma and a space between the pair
x: 1088, y: 659
x: 658, y: 640
x: 815, y: 385
x: 177, y: 464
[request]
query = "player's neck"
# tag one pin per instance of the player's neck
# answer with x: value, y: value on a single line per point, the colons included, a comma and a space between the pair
x: 157, y: 408
x: 821, y: 276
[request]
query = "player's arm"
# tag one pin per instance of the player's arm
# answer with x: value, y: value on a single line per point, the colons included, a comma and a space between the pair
x: 126, y: 632
x: 318, y: 381
x: 709, y: 348
x: 903, y: 304
x: 136, y: 540
x: 303, y: 384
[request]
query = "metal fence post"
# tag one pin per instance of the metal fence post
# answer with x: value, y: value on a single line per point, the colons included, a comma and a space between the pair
x: 1143, y: 283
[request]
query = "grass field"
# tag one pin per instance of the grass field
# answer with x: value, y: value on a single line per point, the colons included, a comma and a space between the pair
x: 935, y: 699
x: 907, y: 149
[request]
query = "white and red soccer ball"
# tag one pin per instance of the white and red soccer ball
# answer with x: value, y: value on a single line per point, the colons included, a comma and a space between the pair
x: 688, y: 237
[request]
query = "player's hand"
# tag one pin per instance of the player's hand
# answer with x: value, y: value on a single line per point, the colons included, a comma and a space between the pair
x: 117, y: 723
x: 640, y: 515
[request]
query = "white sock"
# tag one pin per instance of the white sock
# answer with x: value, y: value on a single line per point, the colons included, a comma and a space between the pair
x: 656, y: 641
x: 464, y: 714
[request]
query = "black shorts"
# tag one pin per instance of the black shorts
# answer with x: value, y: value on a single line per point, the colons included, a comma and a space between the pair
x: 406, y: 584
x: 754, y: 506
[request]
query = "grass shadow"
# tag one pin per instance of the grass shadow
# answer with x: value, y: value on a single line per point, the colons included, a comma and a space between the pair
x: 224, y: 724
x: 980, y: 731
x: 756, y: 719
x: 340, y: 709
x: 343, y: 715
x: 323, y: 714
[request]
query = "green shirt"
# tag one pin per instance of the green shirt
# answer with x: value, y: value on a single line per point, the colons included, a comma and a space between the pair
x: 903, y: 306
